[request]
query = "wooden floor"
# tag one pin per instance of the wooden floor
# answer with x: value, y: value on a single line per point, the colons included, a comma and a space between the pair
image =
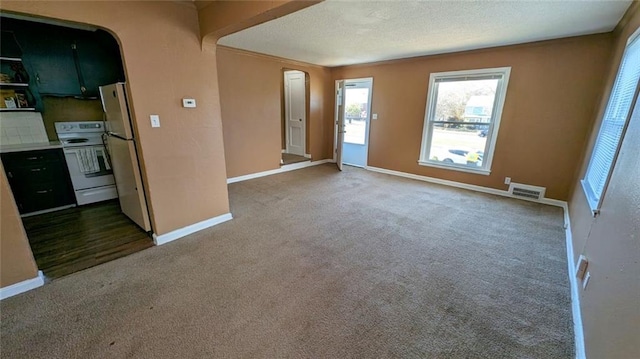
x: 288, y: 159
x: 74, y: 239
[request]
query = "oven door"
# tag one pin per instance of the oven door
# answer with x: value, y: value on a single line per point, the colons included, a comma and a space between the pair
x: 80, y: 180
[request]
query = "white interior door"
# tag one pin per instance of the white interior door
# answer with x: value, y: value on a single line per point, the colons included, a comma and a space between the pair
x: 340, y: 101
x: 294, y: 89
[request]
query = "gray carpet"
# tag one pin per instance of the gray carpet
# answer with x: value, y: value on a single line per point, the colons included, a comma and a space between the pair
x: 321, y: 264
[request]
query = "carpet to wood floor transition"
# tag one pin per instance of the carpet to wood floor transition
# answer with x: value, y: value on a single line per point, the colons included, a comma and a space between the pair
x: 321, y: 264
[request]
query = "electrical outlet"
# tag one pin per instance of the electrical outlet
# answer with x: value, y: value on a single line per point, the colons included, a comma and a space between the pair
x: 188, y: 103
x: 507, y: 180
x: 581, y: 267
x: 374, y: 116
x: 155, y: 120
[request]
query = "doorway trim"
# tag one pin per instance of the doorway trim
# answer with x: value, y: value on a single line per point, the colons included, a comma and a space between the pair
x: 369, y: 115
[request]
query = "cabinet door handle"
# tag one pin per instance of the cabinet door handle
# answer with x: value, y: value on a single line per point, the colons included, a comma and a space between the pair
x: 38, y: 169
x: 43, y: 191
x: 9, y: 174
x: 32, y: 158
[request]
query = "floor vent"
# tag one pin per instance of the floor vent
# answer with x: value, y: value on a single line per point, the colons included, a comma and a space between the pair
x: 523, y: 191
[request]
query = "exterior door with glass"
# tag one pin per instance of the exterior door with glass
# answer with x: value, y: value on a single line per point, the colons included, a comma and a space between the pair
x: 357, y: 115
x: 339, y: 122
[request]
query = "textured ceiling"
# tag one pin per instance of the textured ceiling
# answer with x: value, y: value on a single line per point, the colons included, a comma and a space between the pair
x: 339, y: 32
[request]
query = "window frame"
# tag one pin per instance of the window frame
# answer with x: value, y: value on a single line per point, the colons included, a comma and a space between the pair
x: 596, y: 203
x: 494, y: 124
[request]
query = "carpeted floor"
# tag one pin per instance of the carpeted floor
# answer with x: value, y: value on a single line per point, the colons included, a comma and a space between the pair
x: 321, y: 264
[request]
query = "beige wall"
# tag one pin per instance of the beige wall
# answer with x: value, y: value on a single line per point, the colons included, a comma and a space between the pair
x: 183, y: 164
x: 183, y: 161
x: 250, y: 93
x: 64, y: 109
x: 611, y: 302
x: 160, y: 44
x: 548, y: 110
x: 16, y: 261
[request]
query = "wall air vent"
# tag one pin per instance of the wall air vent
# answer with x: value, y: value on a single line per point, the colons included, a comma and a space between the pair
x: 523, y: 191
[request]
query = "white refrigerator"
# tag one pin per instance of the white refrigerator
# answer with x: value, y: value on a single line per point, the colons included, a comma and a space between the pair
x: 121, y: 147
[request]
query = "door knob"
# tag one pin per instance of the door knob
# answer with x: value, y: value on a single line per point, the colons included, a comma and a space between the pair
x: 300, y: 120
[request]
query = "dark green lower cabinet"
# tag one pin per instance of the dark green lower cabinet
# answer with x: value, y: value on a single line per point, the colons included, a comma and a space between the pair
x: 39, y: 179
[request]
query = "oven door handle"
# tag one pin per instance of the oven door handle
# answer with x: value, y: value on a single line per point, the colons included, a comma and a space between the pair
x: 75, y: 141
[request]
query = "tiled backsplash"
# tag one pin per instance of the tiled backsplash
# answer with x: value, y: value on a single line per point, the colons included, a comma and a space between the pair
x: 21, y: 127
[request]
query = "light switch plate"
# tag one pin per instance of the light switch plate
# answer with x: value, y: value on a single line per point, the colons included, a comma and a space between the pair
x: 581, y: 267
x: 374, y: 116
x: 155, y: 120
x: 188, y: 102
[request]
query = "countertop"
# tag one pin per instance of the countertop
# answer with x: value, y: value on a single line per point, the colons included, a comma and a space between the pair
x: 30, y: 147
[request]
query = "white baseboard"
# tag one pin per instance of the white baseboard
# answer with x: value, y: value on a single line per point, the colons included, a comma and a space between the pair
x: 21, y: 287
x: 285, y: 168
x: 472, y: 187
x: 185, y: 231
x: 575, y: 298
x: 307, y: 155
x: 440, y: 181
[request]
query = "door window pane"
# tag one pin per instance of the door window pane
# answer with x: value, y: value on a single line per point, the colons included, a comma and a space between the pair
x: 355, y: 116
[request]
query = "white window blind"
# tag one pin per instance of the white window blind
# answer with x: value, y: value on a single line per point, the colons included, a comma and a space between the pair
x: 613, y: 124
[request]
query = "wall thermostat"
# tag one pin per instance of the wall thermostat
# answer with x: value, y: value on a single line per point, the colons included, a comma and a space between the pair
x: 188, y: 102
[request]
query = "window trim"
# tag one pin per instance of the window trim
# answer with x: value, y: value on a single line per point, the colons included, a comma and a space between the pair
x: 496, y: 116
x: 596, y: 204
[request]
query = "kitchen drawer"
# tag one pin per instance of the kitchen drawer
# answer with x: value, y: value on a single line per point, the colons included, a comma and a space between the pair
x: 37, y: 197
x: 28, y: 158
x: 39, y: 179
x: 38, y: 173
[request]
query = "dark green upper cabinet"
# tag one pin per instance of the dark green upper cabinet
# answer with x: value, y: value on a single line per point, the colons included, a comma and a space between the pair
x: 98, y: 61
x: 66, y: 61
x: 52, y: 63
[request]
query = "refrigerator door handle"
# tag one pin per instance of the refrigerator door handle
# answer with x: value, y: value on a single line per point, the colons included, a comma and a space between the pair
x: 117, y: 135
x: 106, y: 148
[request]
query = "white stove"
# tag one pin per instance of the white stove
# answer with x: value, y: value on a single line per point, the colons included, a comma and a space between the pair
x: 87, y: 160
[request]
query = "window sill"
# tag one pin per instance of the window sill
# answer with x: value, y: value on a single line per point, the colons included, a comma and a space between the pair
x: 594, y: 205
x: 478, y: 171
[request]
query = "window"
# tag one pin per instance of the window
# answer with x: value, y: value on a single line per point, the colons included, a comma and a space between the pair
x: 614, y: 122
x: 462, y: 118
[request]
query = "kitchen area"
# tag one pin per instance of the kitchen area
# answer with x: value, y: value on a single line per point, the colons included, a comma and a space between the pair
x: 67, y: 144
